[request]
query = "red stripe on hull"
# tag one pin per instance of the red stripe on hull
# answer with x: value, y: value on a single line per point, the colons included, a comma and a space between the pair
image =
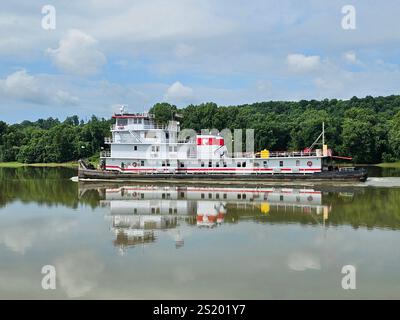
x: 255, y: 170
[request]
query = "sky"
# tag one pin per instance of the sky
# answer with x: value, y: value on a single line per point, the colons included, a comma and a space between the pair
x: 100, y: 54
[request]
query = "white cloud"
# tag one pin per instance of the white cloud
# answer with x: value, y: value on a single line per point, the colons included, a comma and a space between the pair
x: 63, y: 98
x: 78, y: 54
x: 22, y: 86
x: 301, y: 261
x: 144, y: 21
x: 178, y: 93
x: 78, y: 272
x: 183, y: 50
x: 350, y: 57
x: 303, y: 64
x: 23, y: 234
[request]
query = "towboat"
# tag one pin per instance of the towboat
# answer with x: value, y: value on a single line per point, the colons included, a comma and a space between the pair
x: 142, y: 149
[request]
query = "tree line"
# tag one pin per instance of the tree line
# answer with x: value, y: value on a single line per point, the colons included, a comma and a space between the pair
x: 368, y: 129
x: 49, y: 140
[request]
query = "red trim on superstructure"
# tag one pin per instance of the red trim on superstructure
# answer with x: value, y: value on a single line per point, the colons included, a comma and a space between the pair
x: 209, y: 141
x: 128, y: 116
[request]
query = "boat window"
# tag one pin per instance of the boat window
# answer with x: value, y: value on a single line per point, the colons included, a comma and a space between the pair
x: 217, y: 164
x: 239, y: 196
x: 210, y: 164
x: 244, y: 196
x: 202, y: 164
x: 182, y: 165
x: 265, y: 164
x: 224, y: 195
x: 243, y: 164
x: 139, y: 121
x: 225, y: 165
x: 202, y: 195
x: 163, y: 164
x: 122, y: 122
x: 210, y: 196
x: 297, y: 163
x: 239, y: 164
x: 168, y: 164
x: 135, y: 148
x: 142, y: 163
x: 134, y: 121
x: 217, y: 195
x: 281, y: 163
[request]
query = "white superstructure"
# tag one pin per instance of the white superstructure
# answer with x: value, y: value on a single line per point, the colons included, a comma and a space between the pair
x: 139, y: 145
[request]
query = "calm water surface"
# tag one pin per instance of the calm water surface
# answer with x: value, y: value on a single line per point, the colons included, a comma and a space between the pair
x: 166, y: 241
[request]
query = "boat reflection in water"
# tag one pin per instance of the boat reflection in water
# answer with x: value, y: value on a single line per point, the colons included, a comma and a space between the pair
x: 137, y: 213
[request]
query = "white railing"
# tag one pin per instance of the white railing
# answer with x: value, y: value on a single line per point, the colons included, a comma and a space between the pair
x: 292, y: 154
x: 154, y: 126
x: 277, y: 154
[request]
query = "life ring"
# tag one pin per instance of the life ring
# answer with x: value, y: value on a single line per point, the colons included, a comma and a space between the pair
x: 309, y: 163
x: 134, y: 164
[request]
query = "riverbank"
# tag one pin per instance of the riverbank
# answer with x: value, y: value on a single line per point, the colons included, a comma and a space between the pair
x: 72, y: 164
x: 389, y: 165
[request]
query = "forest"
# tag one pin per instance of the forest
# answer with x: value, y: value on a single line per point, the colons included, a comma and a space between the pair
x: 368, y: 129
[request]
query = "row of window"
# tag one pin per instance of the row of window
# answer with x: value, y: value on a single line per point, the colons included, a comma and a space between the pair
x: 224, y: 196
x: 217, y: 196
x: 210, y: 164
x: 124, y: 121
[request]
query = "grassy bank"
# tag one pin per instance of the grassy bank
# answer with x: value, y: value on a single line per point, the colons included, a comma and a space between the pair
x: 73, y: 164
x: 390, y: 165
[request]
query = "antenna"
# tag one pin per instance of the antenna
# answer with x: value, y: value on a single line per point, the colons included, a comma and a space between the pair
x: 319, y: 137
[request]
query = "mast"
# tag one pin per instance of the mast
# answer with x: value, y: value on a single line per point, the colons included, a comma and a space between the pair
x: 323, y: 134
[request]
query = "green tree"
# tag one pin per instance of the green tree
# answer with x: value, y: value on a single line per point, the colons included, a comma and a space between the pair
x: 163, y: 112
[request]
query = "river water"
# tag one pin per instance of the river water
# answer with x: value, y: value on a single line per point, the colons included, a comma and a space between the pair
x: 197, y: 241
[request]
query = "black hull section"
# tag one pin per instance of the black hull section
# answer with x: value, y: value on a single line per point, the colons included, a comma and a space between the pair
x: 356, y: 175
